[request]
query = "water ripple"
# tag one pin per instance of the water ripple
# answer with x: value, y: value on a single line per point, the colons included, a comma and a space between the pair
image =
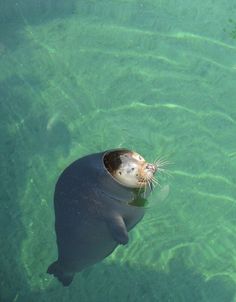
x: 204, y: 176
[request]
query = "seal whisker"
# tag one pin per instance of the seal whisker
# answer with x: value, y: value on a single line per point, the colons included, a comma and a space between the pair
x: 155, y: 181
x: 162, y: 163
x: 149, y: 184
x: 154, y: 185
x: 165, y: 171
x: 160, y: 158
x: 139, y: 190
x: 145, y: 189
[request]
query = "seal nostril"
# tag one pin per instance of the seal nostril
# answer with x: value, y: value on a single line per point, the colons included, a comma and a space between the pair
x: 151, y: 167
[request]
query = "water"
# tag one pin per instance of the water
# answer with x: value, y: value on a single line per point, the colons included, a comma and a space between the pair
x: 154, y: 76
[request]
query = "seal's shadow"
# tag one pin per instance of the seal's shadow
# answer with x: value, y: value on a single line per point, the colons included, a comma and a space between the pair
x: 179, y: 284
x: 22, y: 135
x: 12, y: 231
x: 125, y: 282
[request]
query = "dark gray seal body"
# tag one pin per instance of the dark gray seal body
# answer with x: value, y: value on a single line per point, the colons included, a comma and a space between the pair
x: 93, y: 214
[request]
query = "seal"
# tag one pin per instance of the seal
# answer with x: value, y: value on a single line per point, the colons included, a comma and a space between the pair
x: 98, y: 199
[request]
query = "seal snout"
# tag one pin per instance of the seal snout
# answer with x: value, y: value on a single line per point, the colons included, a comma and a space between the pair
x: 151, y: 167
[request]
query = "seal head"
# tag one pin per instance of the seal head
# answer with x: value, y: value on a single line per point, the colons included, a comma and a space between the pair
x: 129, y: 168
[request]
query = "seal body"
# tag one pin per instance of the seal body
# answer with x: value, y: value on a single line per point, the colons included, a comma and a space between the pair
x: 93, y: 213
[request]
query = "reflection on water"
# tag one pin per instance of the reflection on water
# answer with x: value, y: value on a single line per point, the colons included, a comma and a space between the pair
x: 78, y: 77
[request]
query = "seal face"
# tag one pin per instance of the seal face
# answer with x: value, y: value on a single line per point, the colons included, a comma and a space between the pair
x: 130, y: 169
x: 96, y: 206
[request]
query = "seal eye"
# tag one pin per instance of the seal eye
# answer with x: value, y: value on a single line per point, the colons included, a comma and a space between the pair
x: 120, y: 173
x: 132, y: 169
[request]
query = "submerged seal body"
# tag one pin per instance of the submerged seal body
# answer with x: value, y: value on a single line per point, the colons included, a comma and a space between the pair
x: 97, y: 200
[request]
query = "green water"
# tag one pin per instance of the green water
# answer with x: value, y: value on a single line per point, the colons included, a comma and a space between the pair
x: 155, y: 76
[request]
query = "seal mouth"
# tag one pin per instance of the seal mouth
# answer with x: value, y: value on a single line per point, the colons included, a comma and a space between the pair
x: 151, y: 167
x: 148, y: 170
x: 147, y: 175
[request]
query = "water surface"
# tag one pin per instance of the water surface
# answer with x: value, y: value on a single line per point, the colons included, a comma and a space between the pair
x: 155, y: 76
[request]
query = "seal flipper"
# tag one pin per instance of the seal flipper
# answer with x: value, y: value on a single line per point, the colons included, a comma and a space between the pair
x: 118, y: 229
x: 56, y: 270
